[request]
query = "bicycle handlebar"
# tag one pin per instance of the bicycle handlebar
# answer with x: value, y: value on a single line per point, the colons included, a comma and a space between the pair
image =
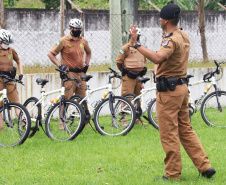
x: 218, y: 65
x: 11, y: 79
x: 68, y: 78
x: 115, y: 73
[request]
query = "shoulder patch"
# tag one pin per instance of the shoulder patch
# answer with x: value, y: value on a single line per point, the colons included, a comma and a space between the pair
x: 165, y: 42
x: 121, y: 51
x: 168, y: 34
x: 58, y: 43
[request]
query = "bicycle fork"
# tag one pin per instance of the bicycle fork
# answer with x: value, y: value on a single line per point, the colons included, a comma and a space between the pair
x: 217, y: 97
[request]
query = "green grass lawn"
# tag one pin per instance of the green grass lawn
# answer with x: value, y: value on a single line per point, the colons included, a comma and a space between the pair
x: 91, y: 158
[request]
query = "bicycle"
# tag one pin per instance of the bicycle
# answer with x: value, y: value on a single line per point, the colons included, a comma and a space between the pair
x: 139, y: 103
x: 15, y: 118
x: 66, y: 112
x: 213, y: 105
x: 108, y: 111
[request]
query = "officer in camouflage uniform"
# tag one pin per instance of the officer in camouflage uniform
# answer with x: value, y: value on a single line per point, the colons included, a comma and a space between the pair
x: 172, y: 96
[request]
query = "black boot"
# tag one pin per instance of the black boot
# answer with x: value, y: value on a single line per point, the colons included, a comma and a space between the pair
x: 209, y: 173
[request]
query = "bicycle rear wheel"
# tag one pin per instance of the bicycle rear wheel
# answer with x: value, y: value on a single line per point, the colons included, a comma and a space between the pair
x: 212, y: 114
x: 16, y: 124
x: 152, y: 116
x: 34, y: 113
x: 119, y: 124
x: 72, y: 123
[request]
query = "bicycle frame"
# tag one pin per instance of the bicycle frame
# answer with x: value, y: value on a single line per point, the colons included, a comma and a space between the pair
x: 89, y: 93
x: 43, y: 98
x: 141, y: 97
x: 195, y: 104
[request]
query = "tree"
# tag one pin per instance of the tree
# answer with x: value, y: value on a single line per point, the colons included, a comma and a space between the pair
x: 51, y: 4
x: 10, y: 3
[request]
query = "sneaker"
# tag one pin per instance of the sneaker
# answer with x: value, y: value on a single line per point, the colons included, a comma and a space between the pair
x: 138, y: 121
x: 87, y: 125
x: 61, y: 126
x: 123, y: 122
x: 161, y: 178
x: 209, y: 173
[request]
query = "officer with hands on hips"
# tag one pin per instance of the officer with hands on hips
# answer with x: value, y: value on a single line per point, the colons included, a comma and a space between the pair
x: 172, y: 96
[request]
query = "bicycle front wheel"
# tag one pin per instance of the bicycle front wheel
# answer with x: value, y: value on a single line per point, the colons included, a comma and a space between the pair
x: 34, y: 112
x: 15, y: 125
x: 71, y: 124
x: 114, y: 118
x: 214, y: 112
x: 152, y: 116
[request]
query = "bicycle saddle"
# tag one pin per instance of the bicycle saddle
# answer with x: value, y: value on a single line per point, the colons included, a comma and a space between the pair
x: 86, y: 77
x: 41, y: 81
x: 143, y: 80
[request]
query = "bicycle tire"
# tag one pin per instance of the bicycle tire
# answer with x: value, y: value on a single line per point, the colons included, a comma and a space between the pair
x: 73, y: 122
x: 106, y: 124
x: 18, y: 128
x: 34, y: 113
x: 152, y: 114
x: 209, y: 109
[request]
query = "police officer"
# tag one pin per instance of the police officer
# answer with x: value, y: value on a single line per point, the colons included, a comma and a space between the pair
x: 172, y: 96
x: 72, y: 48
x: 7, y: 56
x: 132, y: 65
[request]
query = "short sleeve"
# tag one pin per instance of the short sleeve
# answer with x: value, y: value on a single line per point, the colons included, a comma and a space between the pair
x: 122, y: 54
x: 15, y: 55
x: 87, y: 48
x: 57, y: 47
x: 167, y: 47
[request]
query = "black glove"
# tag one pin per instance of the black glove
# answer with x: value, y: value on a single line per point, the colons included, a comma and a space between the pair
x: 20, y: 77
x: 63, y: 67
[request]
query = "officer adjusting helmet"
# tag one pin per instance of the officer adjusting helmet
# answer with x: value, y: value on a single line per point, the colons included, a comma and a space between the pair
x: 6, y: 36
x: 76, y: 23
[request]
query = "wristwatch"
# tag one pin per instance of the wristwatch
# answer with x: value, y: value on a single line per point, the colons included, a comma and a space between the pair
x: 138, y: 44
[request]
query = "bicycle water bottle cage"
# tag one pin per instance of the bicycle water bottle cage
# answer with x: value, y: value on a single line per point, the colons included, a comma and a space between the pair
x: 41, y: 81
x: 207, y: 76
x: 143, y: 80
x: 86, y: 77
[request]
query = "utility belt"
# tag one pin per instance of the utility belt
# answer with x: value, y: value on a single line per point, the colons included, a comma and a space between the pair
x: 11, y: 73
x: 84, y: 70
x: 133, y: 74
x: 171, y: 83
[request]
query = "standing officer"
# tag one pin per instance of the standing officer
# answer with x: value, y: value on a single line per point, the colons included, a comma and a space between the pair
x: 7, y: 55
x: 132, y: 65
x: 172, y: 96
x: 72, y: 48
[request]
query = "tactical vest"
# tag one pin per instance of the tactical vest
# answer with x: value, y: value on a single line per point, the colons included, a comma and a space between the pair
x: 6, y: 59
x: 134, y: 59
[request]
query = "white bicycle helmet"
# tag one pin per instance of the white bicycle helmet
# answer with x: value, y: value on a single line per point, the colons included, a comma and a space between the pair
x: 138, y: 31
x: 6, y: 36
x: 75, y: 23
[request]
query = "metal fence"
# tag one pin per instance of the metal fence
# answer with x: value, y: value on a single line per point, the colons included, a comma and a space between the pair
x: 36, y: 31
